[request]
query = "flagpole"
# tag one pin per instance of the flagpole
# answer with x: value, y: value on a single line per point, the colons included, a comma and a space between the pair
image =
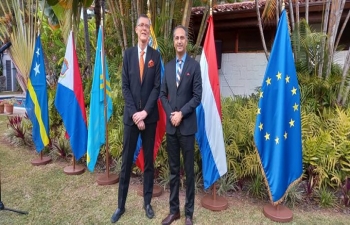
x: 106, y: 178
x: 214, y: 202
x: 277, y: 212
x: 42, y: 160
x: 73, y: 170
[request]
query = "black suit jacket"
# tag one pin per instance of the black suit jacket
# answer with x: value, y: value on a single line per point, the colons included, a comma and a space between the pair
x: 141, y: 96
x: 184, y: 98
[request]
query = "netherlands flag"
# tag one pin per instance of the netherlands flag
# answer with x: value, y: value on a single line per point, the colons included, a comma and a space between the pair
x: 210, y: 136
x: 69, y: 101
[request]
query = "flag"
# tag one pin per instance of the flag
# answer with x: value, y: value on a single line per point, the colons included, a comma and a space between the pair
x: 97, y: 127
x: 69, y: 100
x: 210, y: 136
x: 278, y: 128
x: 36, y: 99
x: 161, y: 124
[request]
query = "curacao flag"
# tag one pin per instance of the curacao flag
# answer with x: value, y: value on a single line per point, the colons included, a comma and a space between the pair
x: 161, y: 124
x: 36, y: 99
x: 69, y: 101
x: 210, y: 135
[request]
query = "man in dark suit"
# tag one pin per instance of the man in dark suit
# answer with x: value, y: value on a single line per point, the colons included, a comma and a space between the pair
x: 140, y: 86
x: 181, y: 93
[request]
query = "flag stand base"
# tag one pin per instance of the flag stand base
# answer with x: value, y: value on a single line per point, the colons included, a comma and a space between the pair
x: 74, y: 170
x: 157, y: 191
x: 41, y: 161
x: 107, y: 179
x: 215, y: 204
x: 279, y: 213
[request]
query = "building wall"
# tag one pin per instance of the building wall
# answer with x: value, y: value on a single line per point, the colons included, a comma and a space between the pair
x: 242, y: 73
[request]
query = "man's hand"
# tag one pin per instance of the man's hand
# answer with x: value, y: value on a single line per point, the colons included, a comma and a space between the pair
x: 141, y: 125
x: 176, y: 118
x: 137, y: 117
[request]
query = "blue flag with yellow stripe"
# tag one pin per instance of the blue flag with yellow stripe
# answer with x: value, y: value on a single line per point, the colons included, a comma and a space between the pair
x: 36, y: 99
x: 97, y: 128
x: 278, y: 126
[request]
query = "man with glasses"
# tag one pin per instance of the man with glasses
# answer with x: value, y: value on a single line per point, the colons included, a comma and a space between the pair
x: 140, y: 86
x: 181, y: 93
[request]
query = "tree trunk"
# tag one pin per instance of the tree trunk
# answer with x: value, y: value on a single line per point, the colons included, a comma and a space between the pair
x: 261, y: 29
x: 342, y: 30
x: 97, y: 11
x: 335, y: 15
x: 291, y: 13
x: 187, y: 13
x: 120, y: 11
x: 112, y: 6
x: 307, y: 11
x: 87, y: 44
x: 345, y: 72
x: 202, y: 28
x: 324, y: 31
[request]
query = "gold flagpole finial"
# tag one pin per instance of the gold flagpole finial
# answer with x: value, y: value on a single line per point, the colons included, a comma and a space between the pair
x: 210, y: 8
x: 283, y: 5
x: 102, y: 16
x: 148, y: 12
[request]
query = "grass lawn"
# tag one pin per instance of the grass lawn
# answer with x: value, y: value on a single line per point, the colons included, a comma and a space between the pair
x: 52, y: 197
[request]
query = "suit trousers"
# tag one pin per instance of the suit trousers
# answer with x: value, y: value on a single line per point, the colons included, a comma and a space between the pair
x: 131, y: 134
x: 186, y: 143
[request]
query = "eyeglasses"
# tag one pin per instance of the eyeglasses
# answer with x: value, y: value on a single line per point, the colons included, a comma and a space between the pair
x: 143, y: 25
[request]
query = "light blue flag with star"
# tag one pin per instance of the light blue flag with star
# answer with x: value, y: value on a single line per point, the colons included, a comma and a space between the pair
x: 97, y: 128
x: 278, y: 128
x: 36, y: 98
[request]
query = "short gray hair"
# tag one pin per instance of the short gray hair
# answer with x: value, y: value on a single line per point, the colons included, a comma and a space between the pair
x: 184, y: 28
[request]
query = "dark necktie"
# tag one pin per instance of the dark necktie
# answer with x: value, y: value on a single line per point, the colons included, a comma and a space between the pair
x: 178, y: 72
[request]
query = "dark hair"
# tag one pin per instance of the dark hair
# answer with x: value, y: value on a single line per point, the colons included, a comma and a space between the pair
x: 180, y: 26
x: 143, y: 16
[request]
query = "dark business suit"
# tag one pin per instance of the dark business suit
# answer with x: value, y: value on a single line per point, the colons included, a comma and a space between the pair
x: 185, y: 98
x: 139, y: 96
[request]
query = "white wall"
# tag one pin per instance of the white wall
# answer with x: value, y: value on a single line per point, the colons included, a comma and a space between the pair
x: 242, y: 73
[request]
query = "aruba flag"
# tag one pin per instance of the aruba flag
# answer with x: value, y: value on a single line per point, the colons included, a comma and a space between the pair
x: 97, y: 126
x: 36, y: 99
x: 161, y: 124
x: 69, y: 100
x: 278, y: 128
x: 210, y: 136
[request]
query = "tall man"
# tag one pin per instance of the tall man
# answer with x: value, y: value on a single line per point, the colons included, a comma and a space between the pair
x: 140, y: 85
x: 181, y: 93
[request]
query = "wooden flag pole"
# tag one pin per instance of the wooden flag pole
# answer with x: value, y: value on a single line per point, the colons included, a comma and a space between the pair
x: 74, y: 169
x: 106, y: 178
x: 278, y: 213
x: 42, y: 160
x: 214, y: 202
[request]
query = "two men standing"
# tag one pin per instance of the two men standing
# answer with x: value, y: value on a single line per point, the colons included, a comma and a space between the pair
x: 181, y: 93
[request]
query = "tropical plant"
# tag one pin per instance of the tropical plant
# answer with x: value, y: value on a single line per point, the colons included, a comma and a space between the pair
x: 18, y: 130
x: 20, y: 28
x: 326, y: 197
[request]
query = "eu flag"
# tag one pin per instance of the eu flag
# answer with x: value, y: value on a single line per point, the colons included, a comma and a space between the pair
x: 278, y: 128
x: 36, y: 99
x: 97, y: 128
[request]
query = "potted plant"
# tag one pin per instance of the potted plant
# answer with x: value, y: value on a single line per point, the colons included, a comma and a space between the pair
x: 1, y: 106
x: 9, y: 104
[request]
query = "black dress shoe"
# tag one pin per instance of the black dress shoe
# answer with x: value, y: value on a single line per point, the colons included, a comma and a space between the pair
x: 149, y: 211
x: 117, y: 214
x: 188, y: 221
x: 171, y: 218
